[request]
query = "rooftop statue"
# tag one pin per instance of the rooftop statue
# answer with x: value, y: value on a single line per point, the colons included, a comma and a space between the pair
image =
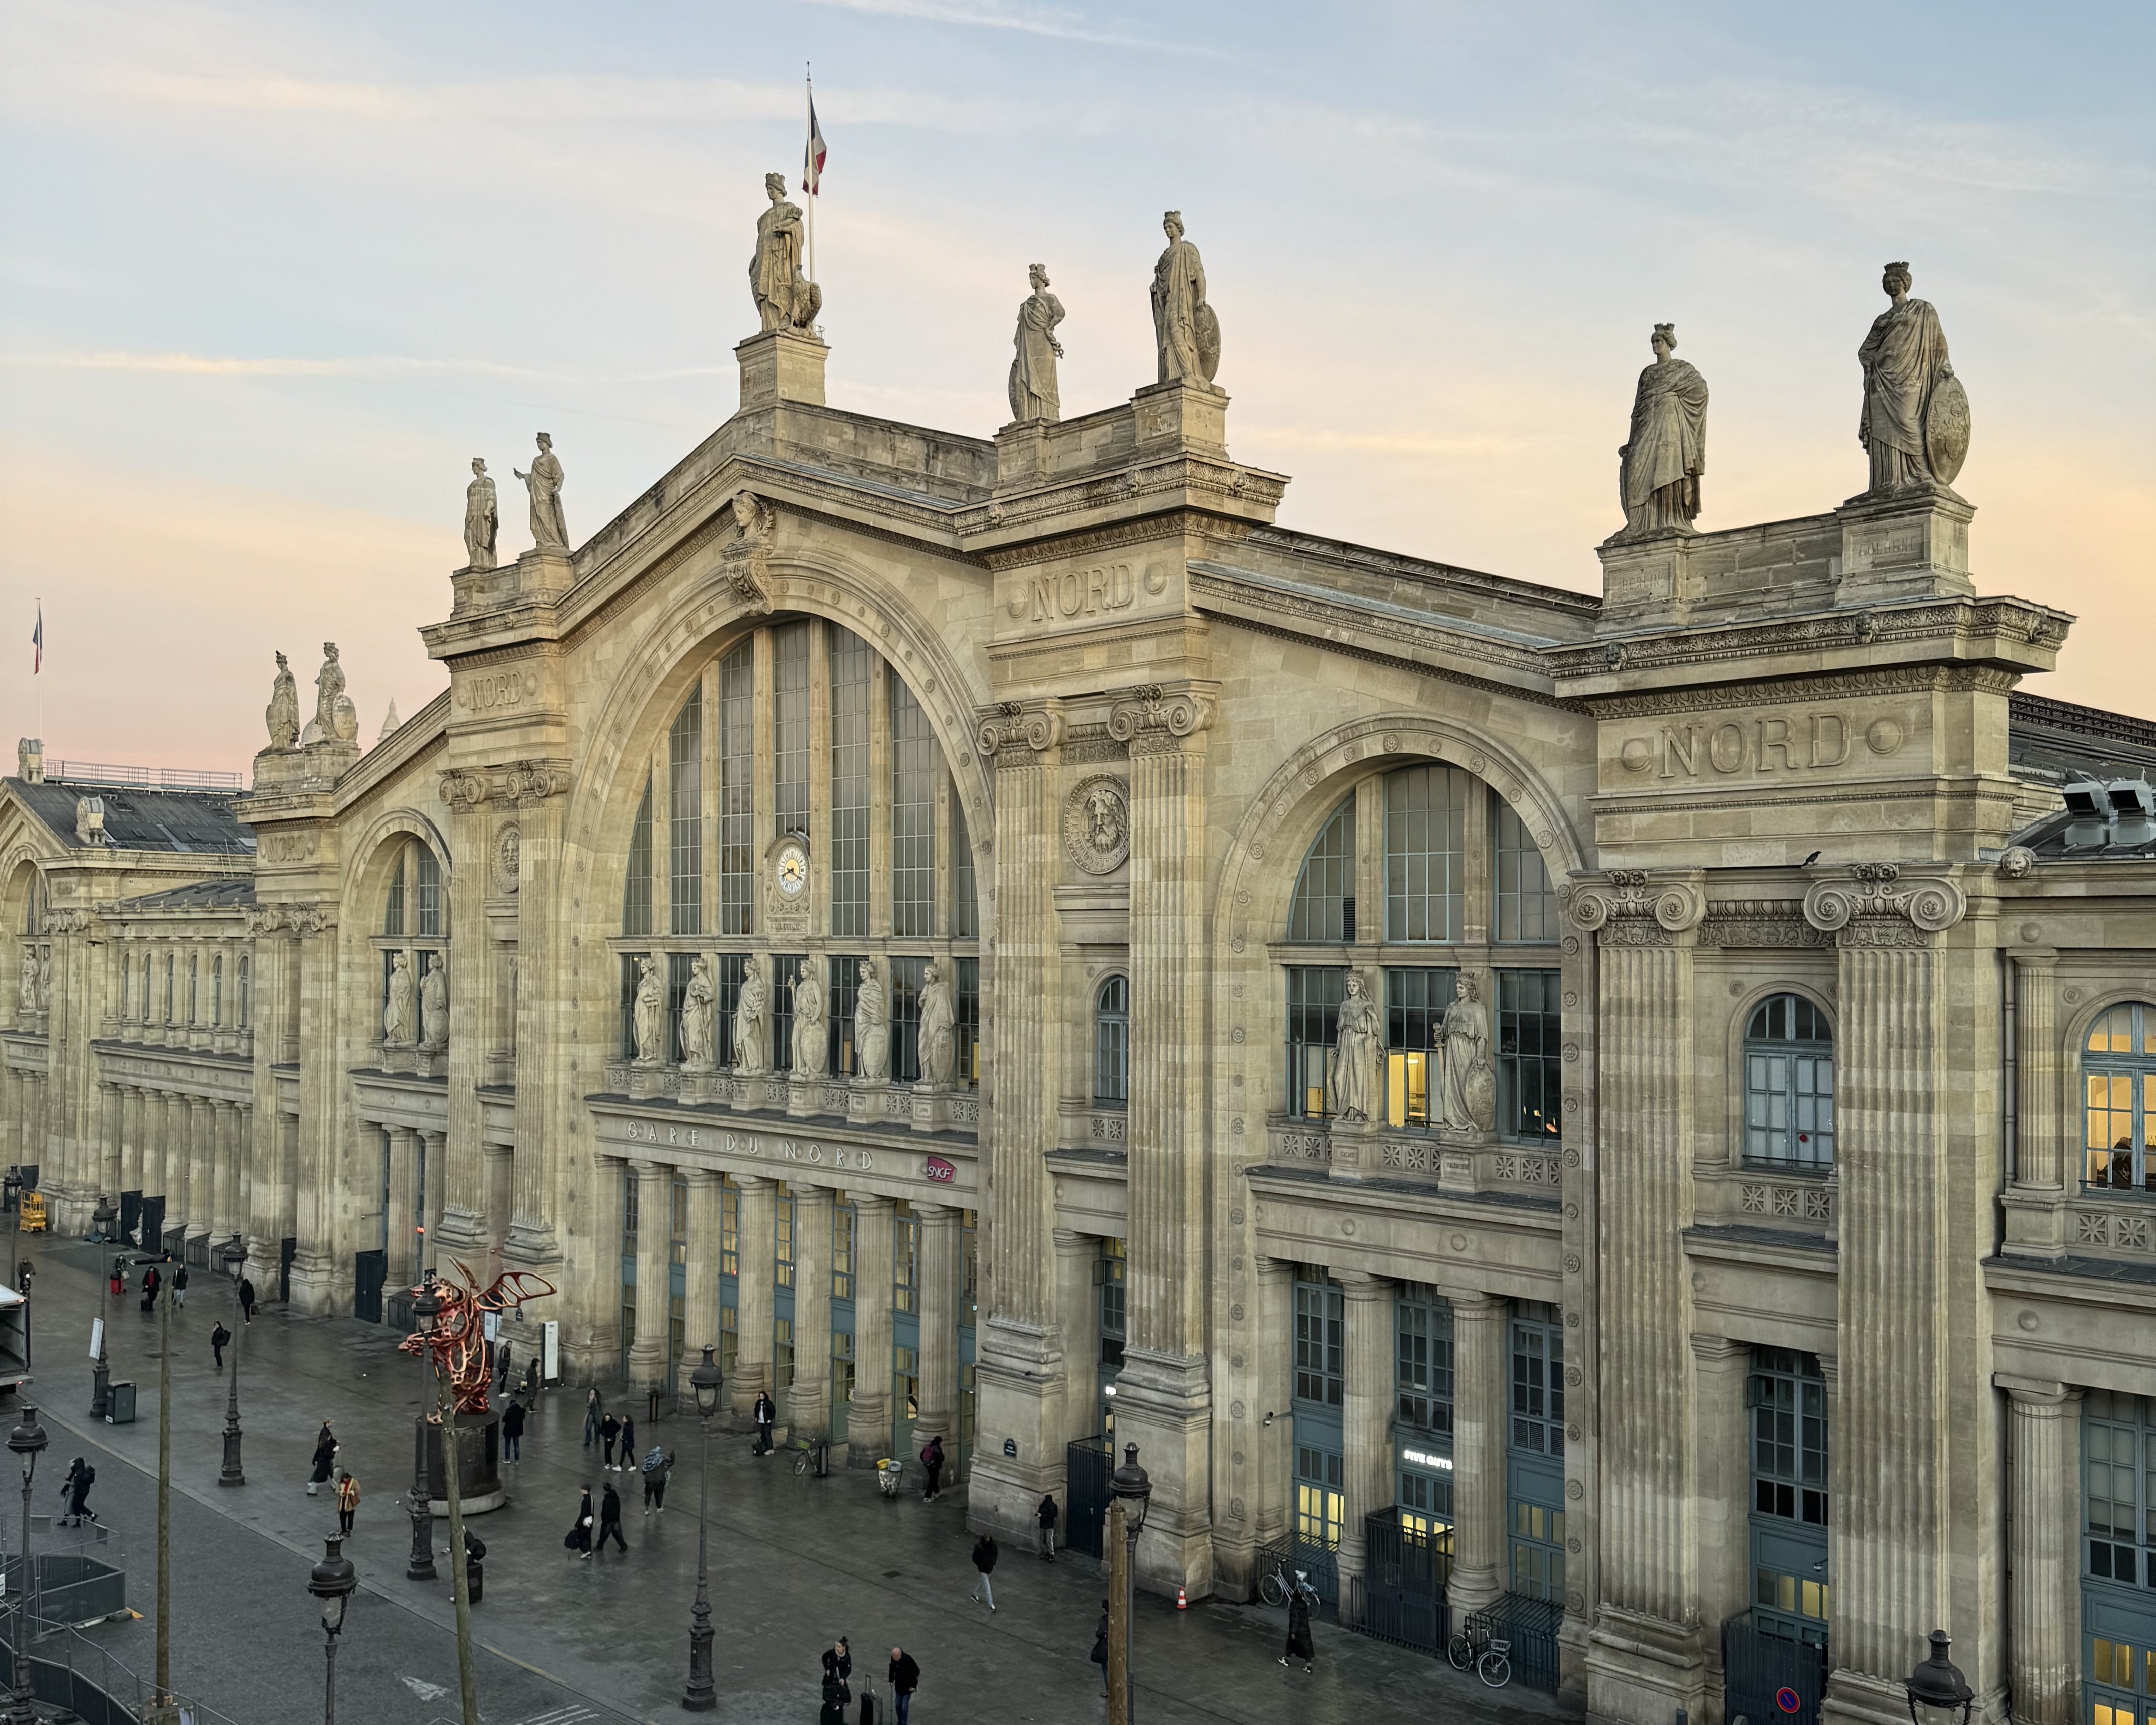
x: 549, y: 527
x: 785, y: 298
x: 1658, y: 469
x: 1914, y: 423
x: 283, y: 714
x: 482, y: 520
x: 1184, y: 326
x: 1033, y: 392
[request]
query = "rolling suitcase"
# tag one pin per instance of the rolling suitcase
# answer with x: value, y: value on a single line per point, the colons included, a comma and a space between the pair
x: 869, y: 1715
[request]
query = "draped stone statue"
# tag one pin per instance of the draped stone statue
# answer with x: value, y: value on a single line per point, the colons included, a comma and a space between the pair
x: 871, y: 1026
x: 699, y: 1013
x: 812, y: 1035
x: 549, y: 527
x: 751, y: 1010
x: 396, y: 1021
x: 648, y: 1014
x: 939, y: 1027
x: 282, y: 715
x: 1915, y: 422
x: 1033, y: 392
x: 336, y: 719
x: 1184, y: 329
x: 26, y: 995
x: 481, y: 518
x: 1658, y: 469
x: 1471, y: 1081
x: 434, y: 1006
x: 785, y: 298
x: 1358, y: 1053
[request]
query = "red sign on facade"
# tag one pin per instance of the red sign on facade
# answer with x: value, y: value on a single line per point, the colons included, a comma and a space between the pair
x: 939, y: 1171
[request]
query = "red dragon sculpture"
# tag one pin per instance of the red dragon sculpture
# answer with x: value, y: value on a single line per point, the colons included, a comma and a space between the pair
x: 458, y: 1339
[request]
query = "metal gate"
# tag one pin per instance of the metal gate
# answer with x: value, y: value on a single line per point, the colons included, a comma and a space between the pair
x: 1404, y: 1586
x: 152, y: 1235
x: 130, y: 1214
x: 369, y: 1271
x: 287, y: 1249
x: 1087, y: 1465
x: 1760, y: 1672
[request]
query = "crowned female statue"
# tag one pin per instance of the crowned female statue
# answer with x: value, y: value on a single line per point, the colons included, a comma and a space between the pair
x: 1658, y: 469
x: 1032, y: 391
x: 1358, y: 1051
x: 1915, y: 422
x: 871, y: 1026
x: 785, y: 298
x: 1184, y: 329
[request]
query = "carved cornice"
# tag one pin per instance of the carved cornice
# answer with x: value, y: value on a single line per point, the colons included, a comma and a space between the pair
x: 302, y: 919
x: 514, y: 782
x: 1872, y: 909
x: 1036, y: 724
x: 1205, y: 475
x: 1911, y: 680
x: 1153, y: 719
x: 1633, y: 909
x: 1145, y: 530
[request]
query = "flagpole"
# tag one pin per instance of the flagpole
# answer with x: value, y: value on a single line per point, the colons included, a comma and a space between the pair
x: 812, y: 176
x: 39, y: 679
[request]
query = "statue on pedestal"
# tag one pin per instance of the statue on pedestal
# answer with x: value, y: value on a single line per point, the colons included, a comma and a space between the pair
x: 549, y: 527
x: 1032, y: 391
x: 1915, y: 422
x: 282, y: 715
x: 434, y: 1006
x: 1358, y: 1052
x: 812, y: 1043
x: 648, y: 1013
x: 699, y: 1013
x: 939, y: 1027
x: 335, y: 719
x: 481, y: 519
x: 396, y: 1010
x: 1471, y: 1082
x: 871, y: 1026
x: 1184, y: 329
x: 751, y: 1009
x: 1658, y: 469
x: 26, y: 995
x: 785, y: 298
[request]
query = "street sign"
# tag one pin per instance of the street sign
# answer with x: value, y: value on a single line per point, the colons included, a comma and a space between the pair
x: 96, y: 1337
x: 550, y: 1352
x: 1787, y: 1700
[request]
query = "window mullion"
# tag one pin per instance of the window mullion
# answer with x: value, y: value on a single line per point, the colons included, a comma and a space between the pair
x: 819, y: 775
x: 712, y: 744
x: 879, y: 839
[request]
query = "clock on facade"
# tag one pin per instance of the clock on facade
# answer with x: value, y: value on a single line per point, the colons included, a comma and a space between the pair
x: 790, y: 870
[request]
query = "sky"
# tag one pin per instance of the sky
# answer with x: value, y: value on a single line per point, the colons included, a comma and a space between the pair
x: 271, y: 274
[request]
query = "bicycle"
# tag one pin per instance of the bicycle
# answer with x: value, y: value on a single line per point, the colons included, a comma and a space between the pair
x: 811, y: 1458
x: 1276, y: 1589
x: 1474, y: 1649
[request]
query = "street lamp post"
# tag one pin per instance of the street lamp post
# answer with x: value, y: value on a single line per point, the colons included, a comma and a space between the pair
x: 1131, y: 1486
x: 27, y: 1442
x: 1937, y: 1682
x: 101, y: 1368
x: 234, y: 1255
x: 331, y: 1581
x: 426, y: 1307
x: 700, y: 1696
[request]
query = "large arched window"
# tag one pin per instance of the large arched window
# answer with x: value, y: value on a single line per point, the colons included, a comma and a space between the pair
x: 1788, y: 1085
x: 1324, y: 907
x: 1112, y: 1042
x: 415, y: 922
x: 2119, y: 1080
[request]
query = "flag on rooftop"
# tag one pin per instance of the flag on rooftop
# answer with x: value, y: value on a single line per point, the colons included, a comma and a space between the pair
x: 811, y: 156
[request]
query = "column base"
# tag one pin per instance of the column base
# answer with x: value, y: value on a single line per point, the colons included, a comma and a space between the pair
x: 1639, y: 1669
x: 1164, y: 1405
x: 808, y: 1409
x: 531, y: 1245
x: 461, y: 1234
x: 1018, y: 1388
x: 868, y: 1430
x: 314, y: 1284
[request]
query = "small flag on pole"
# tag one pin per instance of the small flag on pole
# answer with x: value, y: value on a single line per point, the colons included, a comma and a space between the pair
x: 812, y: 157
x: 38, y: 642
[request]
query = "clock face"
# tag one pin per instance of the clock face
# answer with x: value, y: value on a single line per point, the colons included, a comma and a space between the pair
x: 792, y: 871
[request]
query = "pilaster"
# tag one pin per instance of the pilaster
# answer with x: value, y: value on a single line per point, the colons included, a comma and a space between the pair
x: 654, y: 1241
x: 868, y: 1415
x: 700, y: 1304
x: 2044, y: 1632
x: 1720, y: 1445
x: 808, y: 1398
x: 941, y: 1246
x: 752, y: 1308
x: 1480, y: 1407
x: 2035, y: 1200
x: 1366, y: 1414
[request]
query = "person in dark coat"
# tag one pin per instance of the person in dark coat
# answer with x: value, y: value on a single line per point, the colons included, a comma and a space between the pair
x: 512, y: 1432
x: 502, y: 1365
x: 75, y: 1489
x: 610, y: 1521
x: 1045, y: 1518
x: 220, y: 1338
x: 654, y: 1482
x: 180, y: 1285
x: 628, y: 1452
x: 325, y: 1448
x: 247, y: 1298
x: 905, y: 1679
x: 765, y: 1412
x: 118, y: 1284
x: 834, y: 1703
x: 839, y: 1663
x: 984, y: 1560
x: 1099, y: 1656
x: 593, y: 1408
x: 475, y: 1568
x: 1298, y: 1630
x: 151, y: 1282
x: 610, y: 1435
x: 931, y: 1461
x: 579, y: 1539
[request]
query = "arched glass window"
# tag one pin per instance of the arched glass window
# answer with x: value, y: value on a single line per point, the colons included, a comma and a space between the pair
x: 1789, y: 1085
x: 245, y: 1001
x: 393, y: 919
x: 636, y: 890
x: 1426, y: 835
x: 1526, y: 907
x: 685, y: 809
x: 2119, y: 1080
x: 1324, y: 907
x: 1112, y: 1041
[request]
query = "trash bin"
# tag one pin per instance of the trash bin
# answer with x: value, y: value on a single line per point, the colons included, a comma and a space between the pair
x: 121, y: 1409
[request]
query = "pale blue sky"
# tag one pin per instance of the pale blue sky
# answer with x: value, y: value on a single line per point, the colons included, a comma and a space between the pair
x: 271, y: 274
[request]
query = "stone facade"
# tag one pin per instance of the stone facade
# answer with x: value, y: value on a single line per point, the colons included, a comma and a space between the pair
x: 1749, y: 1227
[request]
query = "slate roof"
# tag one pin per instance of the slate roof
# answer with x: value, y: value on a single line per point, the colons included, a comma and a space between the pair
x: 135, y: 819
x: 195, y: 895
x: 2078, y: 741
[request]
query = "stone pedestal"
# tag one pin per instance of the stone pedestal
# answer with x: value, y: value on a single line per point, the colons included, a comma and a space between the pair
x: 804, y: 1096
x: 1355, y: 1152
x: 932, y: 1108
x: 865, y: 1101
x: 755, y: 1090
x: 644, y: 1081
x: 542, y: 574
x: 479, y: 1464
x: 781, y: 365
x: 695, y: 1082
x: 1910, y: 546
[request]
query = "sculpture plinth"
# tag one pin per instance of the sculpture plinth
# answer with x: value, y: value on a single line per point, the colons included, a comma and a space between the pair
x: 781, y: 365
x: 479, y: 1464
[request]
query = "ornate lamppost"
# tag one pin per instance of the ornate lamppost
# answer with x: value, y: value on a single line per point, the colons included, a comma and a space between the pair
x: 100, y: 1366
x: 234, y: 1256
x: 1131, y: 1486
x: 331, y: 1581
x: 426, y: 1308
x: 699, y: 1697
x: 26, y: 1442
x: 1937, y: 1682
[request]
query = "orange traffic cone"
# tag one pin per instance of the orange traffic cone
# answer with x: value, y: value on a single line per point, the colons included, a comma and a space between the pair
x: 1181, y: 1601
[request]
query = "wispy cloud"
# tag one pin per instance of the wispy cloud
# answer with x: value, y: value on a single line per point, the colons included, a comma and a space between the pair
x: 205, y: 365
x: 1057, y: 21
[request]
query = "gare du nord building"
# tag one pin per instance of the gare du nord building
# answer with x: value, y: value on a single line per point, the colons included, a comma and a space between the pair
x: 1631, y: 1106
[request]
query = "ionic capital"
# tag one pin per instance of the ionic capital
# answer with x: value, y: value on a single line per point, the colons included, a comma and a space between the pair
x: 1630, y: 907
x: 1037, y: 725
x: 1154, y: 716
x: 1873, y: 909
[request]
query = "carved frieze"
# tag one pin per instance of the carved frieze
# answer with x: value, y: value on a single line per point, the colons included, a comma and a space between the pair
x: 302, y: 919
x: 1874, y: 909
x: 510, y: 781
x: 1759, y: 922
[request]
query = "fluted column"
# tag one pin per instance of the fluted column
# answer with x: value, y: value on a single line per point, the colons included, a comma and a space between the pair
x: 2035, y: 1200
x: 432, y: 1194
x: 2043, y: 1507
x: 942, y: 1248
x: 1365, y: 1425
x: 655, y: 1243
x: 130, y: 1140
x: 1272, y: 1445
x: 404, y: 1267
x: 868, y: 1415
x: 1721, y: 1462
x: 111, y: 1104
x: 1077, y: 1318
x: 201, y: 1135
x: 752, y: 1290
x: 808, y: 1398
x: 321, y: 1258
x: 224, y: 1172
x: 699, y: 1275
x: 1480, y: 1405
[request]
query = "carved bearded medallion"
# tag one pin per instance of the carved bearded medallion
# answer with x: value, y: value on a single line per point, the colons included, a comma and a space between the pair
x: 1097, y: 824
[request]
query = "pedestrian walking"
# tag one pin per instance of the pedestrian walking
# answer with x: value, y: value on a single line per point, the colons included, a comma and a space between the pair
x: 1045, y: 1518
x: 326, y: 1449
x: 501, y: 1366
x: 1099, y: 1656
x: 180, y: 1285
x: 905, y: 1679
x: 610, y: 1521
x: 151, y: 1281
x: 610, y: 1435
x: 247, y: 1298
x: 579, y: 1539
x: 118, y: 1284
x: 347, y: 1497
x: 984, y: 1560
x: 627, y: 1450
x: 932, y: 1461
x: 220, y: 1338
x: 74, y: 1489
x: 658, y: 1468
x: 22, y: 1280
x: 593, y: 1408
x: 532, y: 1382
x: 765, y: 1412
x: 1298, y: 1630
x: 475, y: 1568
x: 512, y: 1432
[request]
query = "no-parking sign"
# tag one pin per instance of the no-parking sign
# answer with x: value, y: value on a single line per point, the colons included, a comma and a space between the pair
x: 1787, y: 1700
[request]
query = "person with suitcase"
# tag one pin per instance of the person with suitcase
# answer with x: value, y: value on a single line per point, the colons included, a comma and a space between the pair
x: 905, y: 1679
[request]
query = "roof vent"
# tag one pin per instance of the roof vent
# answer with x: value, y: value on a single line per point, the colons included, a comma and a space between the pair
x: 89, y: 820
x: 2089, y: 803
x: 30, y: 760
x: 2133, y: 812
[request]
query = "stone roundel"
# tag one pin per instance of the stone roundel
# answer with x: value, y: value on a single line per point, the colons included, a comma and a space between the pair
x: 1234, y: 1412
x: 1348, y: 1225
x: 1235, y: 1509
x: 1096, y: 823
x: 1882, y: 736
x: 1572, y: 1545
x: 1572, y: 1377
x: 1572, y: 1159
x: 1239, y: 1454
x: 2027, y: 1320
x: 1572, y: 1263
x: 1574, y: 1490
x: 1459, y: 1242
x: 1235, y: 1312
x: 1234, y: 1215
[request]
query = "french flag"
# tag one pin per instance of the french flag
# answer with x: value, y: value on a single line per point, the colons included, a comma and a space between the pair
x: 812, y: 157
x: 38, y: 643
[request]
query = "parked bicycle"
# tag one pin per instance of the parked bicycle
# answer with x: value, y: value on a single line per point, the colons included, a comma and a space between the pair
x: 1276, y: 1589
x: 1474, y: 1649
